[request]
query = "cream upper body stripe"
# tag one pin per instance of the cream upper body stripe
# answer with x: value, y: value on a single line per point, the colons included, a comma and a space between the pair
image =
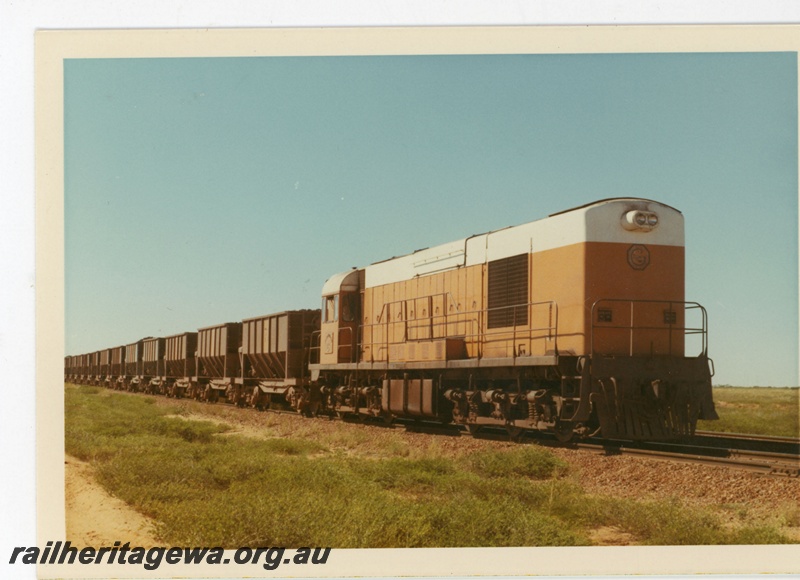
x: 600, y: 222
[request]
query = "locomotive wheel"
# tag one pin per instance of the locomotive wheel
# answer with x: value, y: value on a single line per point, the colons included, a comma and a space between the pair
x: 514, y: 432
x: 473, y: 429
x: 564, y: 432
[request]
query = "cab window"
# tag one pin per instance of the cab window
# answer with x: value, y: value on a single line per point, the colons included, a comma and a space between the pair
x: 348, y: 308
x: 330, y: 307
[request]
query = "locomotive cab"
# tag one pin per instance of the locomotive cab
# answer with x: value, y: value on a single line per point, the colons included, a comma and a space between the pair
x: 340, y: 318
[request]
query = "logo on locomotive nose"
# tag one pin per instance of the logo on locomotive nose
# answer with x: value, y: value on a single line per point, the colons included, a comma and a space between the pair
x: 638, y: 257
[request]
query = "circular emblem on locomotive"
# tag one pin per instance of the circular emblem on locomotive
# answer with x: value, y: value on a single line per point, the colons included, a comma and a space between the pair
x: 638, y: 257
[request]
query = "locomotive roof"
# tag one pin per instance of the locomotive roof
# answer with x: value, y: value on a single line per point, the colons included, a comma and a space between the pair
x: 558, y: 213
x: 560, y: 229
x: 611, y: 199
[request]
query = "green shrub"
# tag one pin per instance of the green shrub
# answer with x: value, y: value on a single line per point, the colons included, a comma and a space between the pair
x: 524, y: 461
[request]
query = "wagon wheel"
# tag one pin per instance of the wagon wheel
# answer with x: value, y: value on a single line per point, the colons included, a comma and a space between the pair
x: 473, y: 429
x: 241, y: 398
x: 254, y: 398
x: 312, y: 410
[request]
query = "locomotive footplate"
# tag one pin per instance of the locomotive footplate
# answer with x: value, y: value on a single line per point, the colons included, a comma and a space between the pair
x: 652, y: 398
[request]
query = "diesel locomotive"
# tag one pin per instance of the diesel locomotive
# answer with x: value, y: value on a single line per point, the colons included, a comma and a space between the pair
x: 574, y: 324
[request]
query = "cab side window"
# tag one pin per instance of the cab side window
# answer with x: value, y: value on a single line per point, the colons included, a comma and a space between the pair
x: 330, y: 306
x: 348, y: 308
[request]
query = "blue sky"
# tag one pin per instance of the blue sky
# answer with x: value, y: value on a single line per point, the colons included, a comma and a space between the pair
x: 200, y: 191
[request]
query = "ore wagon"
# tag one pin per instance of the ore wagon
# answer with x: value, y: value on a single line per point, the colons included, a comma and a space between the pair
x: 131, y: 379
x: 179, y: 364
x: 152, y: 364
x: 104, y: 378
x: 117, y: 378
x: 218, y: 364
x: 275, y: 350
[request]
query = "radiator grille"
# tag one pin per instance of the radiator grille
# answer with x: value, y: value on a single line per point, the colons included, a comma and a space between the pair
x: 508, y: 292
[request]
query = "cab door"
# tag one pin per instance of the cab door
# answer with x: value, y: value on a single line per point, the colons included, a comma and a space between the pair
x: 341, y: 312
x: 329, y: 337
x: 349, y: 315
x: 339, y: 336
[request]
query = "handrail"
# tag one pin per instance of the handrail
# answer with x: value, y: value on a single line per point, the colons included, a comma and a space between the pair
x: 473, y: 321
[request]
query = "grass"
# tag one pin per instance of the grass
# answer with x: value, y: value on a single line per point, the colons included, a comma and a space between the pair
x: 756, y: 410
x: 332, y: 488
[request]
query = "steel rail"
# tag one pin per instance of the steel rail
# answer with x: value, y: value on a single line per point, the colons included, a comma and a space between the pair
x: 747, y: 436
x: 748, y: 442
x: 782, y: 462
x: 762, y: 465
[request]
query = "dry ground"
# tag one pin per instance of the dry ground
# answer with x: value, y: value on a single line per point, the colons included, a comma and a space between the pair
x: 95, y: 518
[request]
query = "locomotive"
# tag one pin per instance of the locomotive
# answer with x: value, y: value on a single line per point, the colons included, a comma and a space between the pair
x: 575, y: 324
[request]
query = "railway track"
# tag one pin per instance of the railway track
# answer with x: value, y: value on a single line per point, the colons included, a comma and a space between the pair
x: 773, y: 456
x: 744, y: 441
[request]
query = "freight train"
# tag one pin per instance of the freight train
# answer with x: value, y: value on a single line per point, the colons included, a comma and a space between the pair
x: 575, y: 324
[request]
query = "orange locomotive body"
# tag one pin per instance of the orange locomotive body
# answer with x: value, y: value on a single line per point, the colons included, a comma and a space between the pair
x: 576, y: 323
